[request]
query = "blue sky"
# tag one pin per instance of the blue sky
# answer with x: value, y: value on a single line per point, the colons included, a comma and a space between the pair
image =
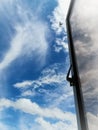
x: 34, y: 93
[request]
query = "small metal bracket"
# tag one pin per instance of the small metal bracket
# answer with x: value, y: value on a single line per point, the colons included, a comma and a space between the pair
x: 70, y: 79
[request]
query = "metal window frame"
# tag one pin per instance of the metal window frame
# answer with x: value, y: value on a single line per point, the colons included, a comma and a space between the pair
x: 75, y: 80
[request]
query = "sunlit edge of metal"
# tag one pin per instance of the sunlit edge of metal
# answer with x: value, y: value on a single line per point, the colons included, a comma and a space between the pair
x: 80, y: 111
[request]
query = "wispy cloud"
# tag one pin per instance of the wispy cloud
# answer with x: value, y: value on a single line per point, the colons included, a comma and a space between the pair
x: 33, y: 109
x: 29, y: 38
x: 52, y: 84
x: 51, y: 75
x: 46, y: 125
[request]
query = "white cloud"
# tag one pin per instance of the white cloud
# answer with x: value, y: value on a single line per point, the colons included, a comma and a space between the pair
x: 27, y: 40
x: 23, y: 84
x: 28, y: 124
x: 4, y: 126
x: 61, y: 44
x: 30, y: 36
x: 25, y: 105
x: 65, y: 120
x: 46, y: 125
x: 53, y: 74
x: 59, y: 16
x: 28, y: 93
x: 41, y: 81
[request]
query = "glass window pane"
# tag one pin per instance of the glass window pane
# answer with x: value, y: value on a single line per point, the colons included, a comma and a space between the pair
x: 84, y: 27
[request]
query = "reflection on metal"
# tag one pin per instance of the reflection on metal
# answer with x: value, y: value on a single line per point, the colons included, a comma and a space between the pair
x: 82, y: 24
x: 82, y: 125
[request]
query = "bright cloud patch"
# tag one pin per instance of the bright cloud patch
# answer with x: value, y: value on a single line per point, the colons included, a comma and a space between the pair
x: 58, y: 24
x: 59, y: 16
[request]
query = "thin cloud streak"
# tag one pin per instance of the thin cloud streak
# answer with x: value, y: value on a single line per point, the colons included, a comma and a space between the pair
x: 54, y: 74
x: 33, y: 109
x: 27, y: 38
x: 57, y: 126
